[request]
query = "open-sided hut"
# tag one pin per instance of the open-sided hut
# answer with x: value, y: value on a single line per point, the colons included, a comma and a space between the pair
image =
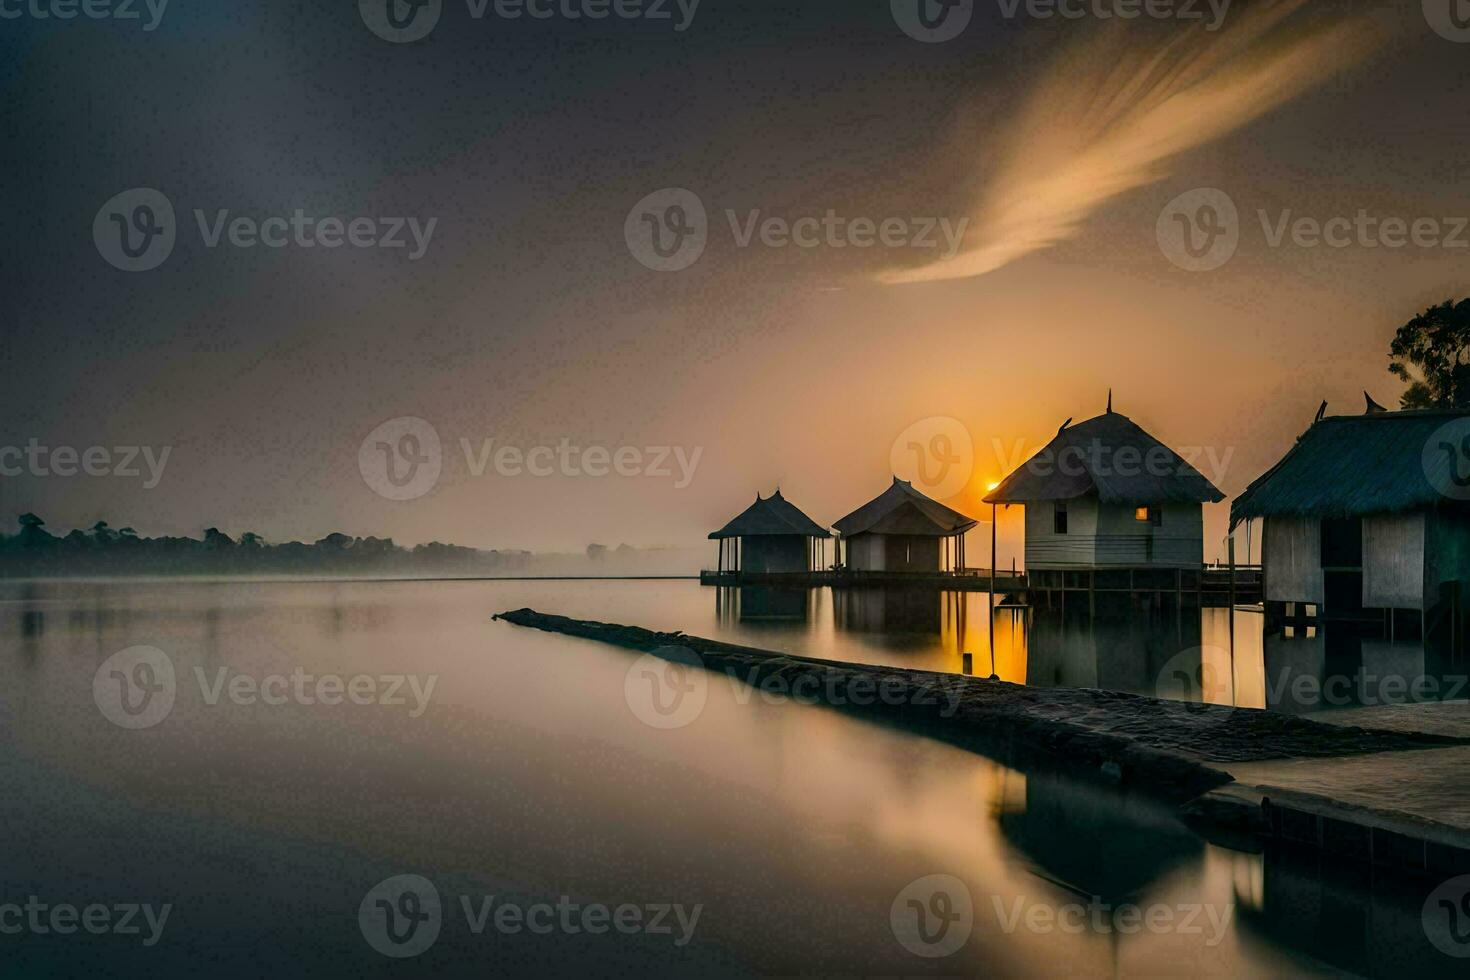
x: 770, y: 536
x: 901, y: 530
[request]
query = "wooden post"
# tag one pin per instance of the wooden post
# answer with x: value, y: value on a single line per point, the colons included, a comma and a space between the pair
x: 990, y: 600
x: 1230, y: 552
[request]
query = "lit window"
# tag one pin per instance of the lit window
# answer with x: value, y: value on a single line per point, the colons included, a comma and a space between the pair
x: 1149, y: 515
x: 1140, y: 514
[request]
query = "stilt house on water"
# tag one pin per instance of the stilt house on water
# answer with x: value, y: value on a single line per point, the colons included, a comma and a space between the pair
x: 1367, y: 519
x: 770, y: 536
x: 900, y: 531
x: 1109, y: 507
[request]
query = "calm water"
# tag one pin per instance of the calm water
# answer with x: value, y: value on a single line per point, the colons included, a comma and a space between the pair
x: 527, y: 777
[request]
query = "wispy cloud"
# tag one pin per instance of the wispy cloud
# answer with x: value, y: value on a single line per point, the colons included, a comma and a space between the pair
x: 1112, y: 115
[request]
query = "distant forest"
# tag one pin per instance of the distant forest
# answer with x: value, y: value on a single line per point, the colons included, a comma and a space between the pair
x: 103, y: 550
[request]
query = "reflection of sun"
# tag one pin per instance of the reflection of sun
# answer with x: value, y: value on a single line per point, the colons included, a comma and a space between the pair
x: 991, y: 485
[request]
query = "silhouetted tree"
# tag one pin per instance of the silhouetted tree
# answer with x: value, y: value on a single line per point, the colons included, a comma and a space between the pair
x: 1432, y: 353
x: 217, y: 540
x: 32, y: 532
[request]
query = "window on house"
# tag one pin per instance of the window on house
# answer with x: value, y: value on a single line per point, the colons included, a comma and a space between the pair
x: 1059, y: 518
x: 1149, y: 515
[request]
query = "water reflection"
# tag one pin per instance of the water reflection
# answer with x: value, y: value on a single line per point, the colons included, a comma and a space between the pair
x: 763, y: 604
x: 795, y: 827
x: 1335, y: 665
x: 890, y: 610
x: 1115, y: 644
x: 1061, y: 822
x: 1358, y: 918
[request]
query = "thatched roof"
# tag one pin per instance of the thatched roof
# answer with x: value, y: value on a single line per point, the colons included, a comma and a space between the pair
x: 770, y: 516
x: 1348, y: 465
x: 1109, y: 455
x: 903, y: 510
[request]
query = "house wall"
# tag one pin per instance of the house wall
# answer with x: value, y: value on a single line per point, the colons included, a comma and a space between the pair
x: 1178, y: 541
x: 1393, y: 561
x: 911, y: 553
x: 1291, y: 550
x: 1108, y: 535
x: 1047, y: 549
x: 773, y: 553
x: 865, y: 553
x: 893, y: 553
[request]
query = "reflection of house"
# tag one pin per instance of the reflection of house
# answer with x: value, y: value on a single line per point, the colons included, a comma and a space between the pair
x: 1365, y: 520
x: 1113, y: 645
x: 901, y: 530
x: 771, y: 535
x: 770, y: 604
x: 1340, y: 915
x: 1104, y: 494
x: 888, y: 610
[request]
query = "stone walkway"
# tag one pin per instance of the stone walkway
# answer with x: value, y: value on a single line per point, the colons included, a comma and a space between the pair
x: 1422, y: 793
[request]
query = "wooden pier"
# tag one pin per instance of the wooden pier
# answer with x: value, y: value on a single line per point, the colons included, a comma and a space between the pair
x: 969, y: 580
x: 1212, y: 585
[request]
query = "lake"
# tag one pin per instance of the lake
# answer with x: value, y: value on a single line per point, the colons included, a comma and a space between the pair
x: 320, y: 740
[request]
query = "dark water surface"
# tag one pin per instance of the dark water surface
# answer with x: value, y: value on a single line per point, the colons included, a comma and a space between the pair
x: 799, y: 834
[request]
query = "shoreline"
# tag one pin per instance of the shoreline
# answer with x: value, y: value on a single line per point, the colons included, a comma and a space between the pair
x: 1179, y: 752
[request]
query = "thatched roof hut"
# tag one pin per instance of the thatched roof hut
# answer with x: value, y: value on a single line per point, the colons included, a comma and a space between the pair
x: 1366, y: 515
x: 1351, y: 465
x: 773, y: 515
x: 772, y: 535
x: 903, y: 510
x: 1104, y: 494
x: 1110, y: 456
x: 900, y: 530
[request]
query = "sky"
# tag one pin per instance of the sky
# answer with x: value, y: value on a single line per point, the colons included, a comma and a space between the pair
x: 1028, y: 171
